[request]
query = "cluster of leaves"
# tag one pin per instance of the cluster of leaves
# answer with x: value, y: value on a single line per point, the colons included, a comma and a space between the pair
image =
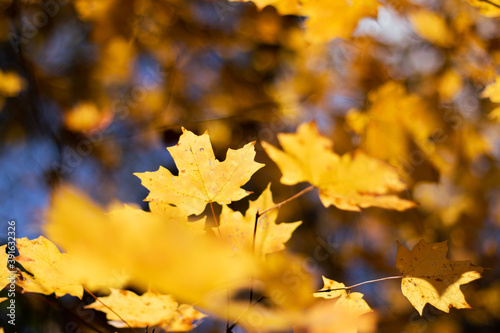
x: 418, y: 102
x: 162, y: 250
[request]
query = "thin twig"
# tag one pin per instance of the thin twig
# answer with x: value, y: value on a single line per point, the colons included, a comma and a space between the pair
x: 288, y: 200
x: 362, y: 283
x: 215, y: 219
x: 230, y: 328
x: 110, y: 309
x: 490, y: 3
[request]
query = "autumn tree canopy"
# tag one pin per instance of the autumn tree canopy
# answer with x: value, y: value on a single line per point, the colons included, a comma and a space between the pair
x: 330, y: 166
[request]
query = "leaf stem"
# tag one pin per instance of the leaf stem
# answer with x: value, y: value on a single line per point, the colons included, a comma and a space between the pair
x: 310, y: 188
x: 215, y: 219
x: 490, y: 3
x: 362, y: 283
x: 230, y: 328
x: 110, y: 309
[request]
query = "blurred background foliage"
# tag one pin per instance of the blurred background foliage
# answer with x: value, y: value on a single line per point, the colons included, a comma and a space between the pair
x: 92, y: 91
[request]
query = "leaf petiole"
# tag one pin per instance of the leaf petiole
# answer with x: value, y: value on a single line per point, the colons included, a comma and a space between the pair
x: 361, y: 283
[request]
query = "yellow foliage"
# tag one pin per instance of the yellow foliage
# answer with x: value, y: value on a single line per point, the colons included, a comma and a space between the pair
x: 492, y: 91
x: 49, y: 267
x: 202, y: 178
x: 485, y: 8
x: 151, y: 309
x: 239, y: 230
x: 10, y: 84
x: 4, y: 271
x: 85, y: 117
x: 349, y: 182
x: 429, y: 277
x: 326, y: 19
x: 432, y: 27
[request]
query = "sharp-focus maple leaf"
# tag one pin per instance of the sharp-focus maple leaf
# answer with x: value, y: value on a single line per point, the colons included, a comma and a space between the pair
x: 202, y: 178
x: 428, y: 277
x: 349, y: 182
x: 151, y: 309
x: 49, y: 268
x: 239, y: 229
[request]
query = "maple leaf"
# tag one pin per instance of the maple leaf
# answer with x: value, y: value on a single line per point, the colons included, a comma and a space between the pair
x: 428, y: 277
x: 202, y: 178
x: 348, y: 307
x: 4, y: 271
x: 48, y: 266
x: 351, y: 302
x: 152, y: 308
x: 239, y: 229
x: 349, y: 182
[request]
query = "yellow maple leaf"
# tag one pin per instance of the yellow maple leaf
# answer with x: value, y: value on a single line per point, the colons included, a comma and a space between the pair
x: 202, y: 178
x: 429, y: 277
x: 4, y: 271
x: 352, y: 302
x: 349, y: 182
x: 48, y: 267
x: 348, y: 307
x: 239, y: 229
x: 492, y: 91
x: 152, y: 308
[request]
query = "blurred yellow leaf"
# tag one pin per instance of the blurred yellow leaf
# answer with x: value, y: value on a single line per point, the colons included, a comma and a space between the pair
x: 393, y: 124
x: 10, y: 84
x: 449, y: 85
x: 147, y: 249
x: 326, y: 19
x: 349, y: 182
x: 151, y: 309
x: 489, y: 8
x: 239, y: 229
x: 429, y: 277
x: 85, y: 117
x: 335, y: 19
x: 202, y: 178
x: 432, y: 27
x: 492, y: 91
x: 49, y: 267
